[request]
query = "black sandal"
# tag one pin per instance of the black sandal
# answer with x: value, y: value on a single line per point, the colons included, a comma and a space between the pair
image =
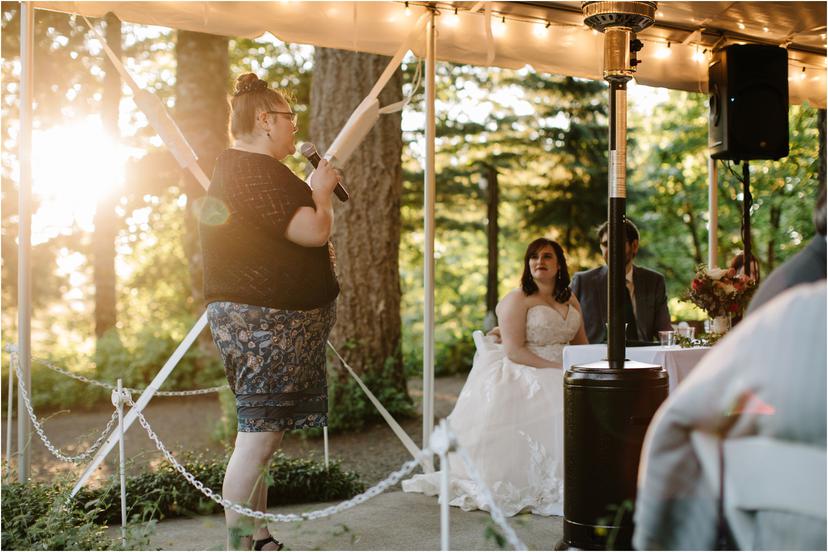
x: 259, y: 544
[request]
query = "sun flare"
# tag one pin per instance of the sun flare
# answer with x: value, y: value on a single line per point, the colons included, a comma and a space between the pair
x: 72, y: 167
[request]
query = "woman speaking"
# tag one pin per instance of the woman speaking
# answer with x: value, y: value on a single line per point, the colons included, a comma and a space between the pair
x: 270, y: 289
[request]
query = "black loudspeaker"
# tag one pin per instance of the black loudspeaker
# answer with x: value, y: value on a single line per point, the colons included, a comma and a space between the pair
x: 748, y: 86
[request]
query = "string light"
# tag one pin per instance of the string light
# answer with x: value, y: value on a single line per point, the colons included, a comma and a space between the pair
x: 407, y: 10
x: 453, y: 19
x: 698, y: 56
x: 663, y: 52
x: 499, y: 27
x: 765, y: 29
x: 540, y: 30
x: 741, y: 26
x: 802, y: 74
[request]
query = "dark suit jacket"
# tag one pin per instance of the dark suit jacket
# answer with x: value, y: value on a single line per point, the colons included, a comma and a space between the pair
x: 806, y: 266
x: 590, y: 287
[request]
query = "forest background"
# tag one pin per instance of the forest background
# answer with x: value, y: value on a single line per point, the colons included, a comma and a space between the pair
x: 116, y: 267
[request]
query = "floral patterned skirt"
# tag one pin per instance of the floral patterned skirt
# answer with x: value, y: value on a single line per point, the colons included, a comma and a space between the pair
x: 275, y: 363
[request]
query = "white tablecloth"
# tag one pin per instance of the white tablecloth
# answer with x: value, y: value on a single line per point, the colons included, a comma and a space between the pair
x: 678, y: 362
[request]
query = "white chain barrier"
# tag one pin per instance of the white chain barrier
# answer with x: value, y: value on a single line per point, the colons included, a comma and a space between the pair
x: 377, y: 489
x: 447, y: 441
x: 392, y: 479
x: 109, y: 386
x: 39, y: 427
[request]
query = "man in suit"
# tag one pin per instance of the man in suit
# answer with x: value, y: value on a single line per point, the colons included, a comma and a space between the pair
x: 806, y: 266
x: 646, y: 300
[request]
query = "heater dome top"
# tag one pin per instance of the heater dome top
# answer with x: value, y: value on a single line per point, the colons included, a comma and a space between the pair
x: 636, y: 16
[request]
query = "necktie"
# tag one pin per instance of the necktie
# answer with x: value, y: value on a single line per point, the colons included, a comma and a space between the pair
x: 629, y: 316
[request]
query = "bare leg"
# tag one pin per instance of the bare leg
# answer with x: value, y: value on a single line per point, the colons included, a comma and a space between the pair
x: 244, y: 472
x: 261, y: 530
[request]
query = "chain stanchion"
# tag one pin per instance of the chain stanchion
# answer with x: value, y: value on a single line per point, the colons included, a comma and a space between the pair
x: 118, y: 400
x: 39, y: 428
x: 442, y: 442
x: 10, y: 399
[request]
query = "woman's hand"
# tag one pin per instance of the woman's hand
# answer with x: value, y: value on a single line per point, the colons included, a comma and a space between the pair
x: 312, y: 227
x: 324, y: 179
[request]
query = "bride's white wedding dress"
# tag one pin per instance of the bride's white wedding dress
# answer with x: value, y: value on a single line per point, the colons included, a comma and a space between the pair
x: 509, y: 417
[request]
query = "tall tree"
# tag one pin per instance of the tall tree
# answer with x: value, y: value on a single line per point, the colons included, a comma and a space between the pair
x: 202, y: 113
x: 106, y: 220
x: 566, y: 139
x: 367, y: 228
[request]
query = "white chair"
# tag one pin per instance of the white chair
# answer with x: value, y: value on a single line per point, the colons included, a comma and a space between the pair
x: 764, y: 474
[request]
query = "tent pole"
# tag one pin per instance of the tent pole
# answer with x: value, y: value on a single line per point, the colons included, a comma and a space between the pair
x: 428, y: 227
x: 713, y: 211
x: 24, y: 237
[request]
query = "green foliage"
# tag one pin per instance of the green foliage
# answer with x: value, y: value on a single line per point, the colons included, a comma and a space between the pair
x: 225, y: 429
x: 40, y: 516
x: 668, y: 193
x: 138, y: 364
x: 36, y: 516
x: 162, y: 493
x: 349, y: 407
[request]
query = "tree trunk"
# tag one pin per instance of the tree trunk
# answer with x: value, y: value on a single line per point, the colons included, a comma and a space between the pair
x: 202, y: 113
x: 106, y: 222
x: 367, y: 228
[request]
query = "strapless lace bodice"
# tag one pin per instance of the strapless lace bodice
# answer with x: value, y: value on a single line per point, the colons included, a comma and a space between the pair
x: 547, y: 331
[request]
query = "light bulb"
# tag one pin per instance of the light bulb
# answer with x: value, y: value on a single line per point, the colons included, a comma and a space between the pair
x: 541, y: 30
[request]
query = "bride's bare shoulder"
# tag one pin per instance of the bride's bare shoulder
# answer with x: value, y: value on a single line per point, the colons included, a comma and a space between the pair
x: 515, y: 299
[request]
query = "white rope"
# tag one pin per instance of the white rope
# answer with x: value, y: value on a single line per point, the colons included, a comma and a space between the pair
x: 39, y: 428
x: 389, y: 419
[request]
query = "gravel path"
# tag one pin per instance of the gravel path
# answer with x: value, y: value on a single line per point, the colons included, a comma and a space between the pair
x: 188, y: 424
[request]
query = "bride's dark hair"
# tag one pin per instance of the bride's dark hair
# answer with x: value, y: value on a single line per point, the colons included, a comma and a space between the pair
x: 527, y: 283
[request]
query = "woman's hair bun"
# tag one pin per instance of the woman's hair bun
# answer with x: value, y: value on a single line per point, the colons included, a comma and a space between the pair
x: 249, y: 82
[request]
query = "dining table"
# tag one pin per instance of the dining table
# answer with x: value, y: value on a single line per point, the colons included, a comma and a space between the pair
x: 677, y: 361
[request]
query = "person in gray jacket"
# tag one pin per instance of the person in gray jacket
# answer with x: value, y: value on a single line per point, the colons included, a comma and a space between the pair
x: 645, y: 304
x: 753, y: 408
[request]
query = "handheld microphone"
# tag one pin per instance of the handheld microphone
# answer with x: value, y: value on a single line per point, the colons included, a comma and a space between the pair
x: 310, y: 153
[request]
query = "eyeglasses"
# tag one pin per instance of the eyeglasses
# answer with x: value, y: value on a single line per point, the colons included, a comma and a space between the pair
x: 294, y: 117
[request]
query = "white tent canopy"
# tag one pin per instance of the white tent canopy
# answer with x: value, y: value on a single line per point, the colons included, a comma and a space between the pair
x: 550, y: 36
x: 514, y: 34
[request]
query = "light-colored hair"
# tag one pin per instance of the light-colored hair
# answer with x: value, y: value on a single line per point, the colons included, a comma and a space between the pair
x: 251, y: 96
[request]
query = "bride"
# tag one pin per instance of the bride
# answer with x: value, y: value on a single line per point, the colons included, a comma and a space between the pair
x: 509, y: 416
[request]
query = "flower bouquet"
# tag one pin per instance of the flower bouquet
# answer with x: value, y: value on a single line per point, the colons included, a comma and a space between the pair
x: 720, y: 292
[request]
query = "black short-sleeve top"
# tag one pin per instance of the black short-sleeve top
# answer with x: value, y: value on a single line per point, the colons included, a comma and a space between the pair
x: 247, y: 258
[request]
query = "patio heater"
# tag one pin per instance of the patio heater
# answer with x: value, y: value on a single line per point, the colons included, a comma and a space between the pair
x: 609, y: 404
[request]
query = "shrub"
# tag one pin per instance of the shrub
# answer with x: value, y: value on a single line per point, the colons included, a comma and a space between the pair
x: 164, y: 493
x: 36, y: 516
x: 349, y: 408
